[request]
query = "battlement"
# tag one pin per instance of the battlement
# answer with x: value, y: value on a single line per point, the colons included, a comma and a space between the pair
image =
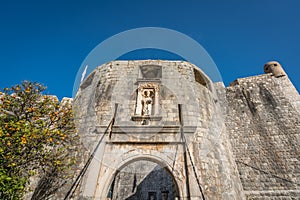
x: 281, y: 84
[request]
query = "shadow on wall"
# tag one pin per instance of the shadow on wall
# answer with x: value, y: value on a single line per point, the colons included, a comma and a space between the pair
x: 145, y: 180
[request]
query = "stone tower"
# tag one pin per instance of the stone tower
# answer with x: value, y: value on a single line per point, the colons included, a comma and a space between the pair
x: 163, y: 130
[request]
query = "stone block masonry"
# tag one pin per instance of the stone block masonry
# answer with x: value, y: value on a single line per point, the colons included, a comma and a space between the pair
x: 189, y: 150
x: 263, y: 124
x: 173, y: 134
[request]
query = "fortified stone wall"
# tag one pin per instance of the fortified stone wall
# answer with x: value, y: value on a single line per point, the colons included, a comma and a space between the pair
x: 241, y: 140
x: 263, y: 124
x: 147, y: 127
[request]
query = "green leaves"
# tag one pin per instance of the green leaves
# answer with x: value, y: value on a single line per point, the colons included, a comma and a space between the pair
x: 37, y: 133
x: 12, y: 186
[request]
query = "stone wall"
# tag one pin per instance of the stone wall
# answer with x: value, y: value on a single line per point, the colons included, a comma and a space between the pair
x: 156, y: 137
x: 263, y: 124
x: 241, y: 140
x: 143, y: 180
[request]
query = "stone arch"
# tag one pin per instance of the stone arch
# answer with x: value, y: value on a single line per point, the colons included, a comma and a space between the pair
x: 177, y: 181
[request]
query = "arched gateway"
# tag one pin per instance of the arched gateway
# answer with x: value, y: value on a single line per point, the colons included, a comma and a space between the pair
x: 158, y: 131
x: 143, y: 179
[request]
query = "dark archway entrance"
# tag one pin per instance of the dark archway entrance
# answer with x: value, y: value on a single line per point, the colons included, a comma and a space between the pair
x: 145, y: 180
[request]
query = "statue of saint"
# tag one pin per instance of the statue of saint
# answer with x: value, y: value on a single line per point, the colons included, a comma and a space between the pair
x: 147, y: 102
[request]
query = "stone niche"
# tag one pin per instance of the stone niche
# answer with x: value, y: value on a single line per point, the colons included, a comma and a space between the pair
x: 148, y: 94
x: 150, y: 72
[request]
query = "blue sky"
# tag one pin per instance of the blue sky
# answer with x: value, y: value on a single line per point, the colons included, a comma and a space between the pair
x: 46, y: 41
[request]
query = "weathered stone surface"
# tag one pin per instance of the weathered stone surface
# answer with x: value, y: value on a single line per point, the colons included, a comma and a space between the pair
x: 274, y: 68
x: 155, y: 135
x: 141, y: 180
x: 263, y: 124
x: 243, y: 140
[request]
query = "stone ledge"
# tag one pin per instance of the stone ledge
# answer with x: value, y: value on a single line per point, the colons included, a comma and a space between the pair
x: 155, y: 143
x: 141, y: 129
x: 149, y: 80
x: 151, y: 118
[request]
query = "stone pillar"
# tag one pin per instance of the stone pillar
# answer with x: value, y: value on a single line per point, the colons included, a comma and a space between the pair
x: 156, y: 101
x: 139, y: 106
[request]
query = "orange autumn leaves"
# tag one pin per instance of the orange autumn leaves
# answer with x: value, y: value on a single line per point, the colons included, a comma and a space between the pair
x: 36, y: 132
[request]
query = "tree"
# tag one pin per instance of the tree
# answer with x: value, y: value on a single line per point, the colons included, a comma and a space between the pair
x: 37, y: 142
